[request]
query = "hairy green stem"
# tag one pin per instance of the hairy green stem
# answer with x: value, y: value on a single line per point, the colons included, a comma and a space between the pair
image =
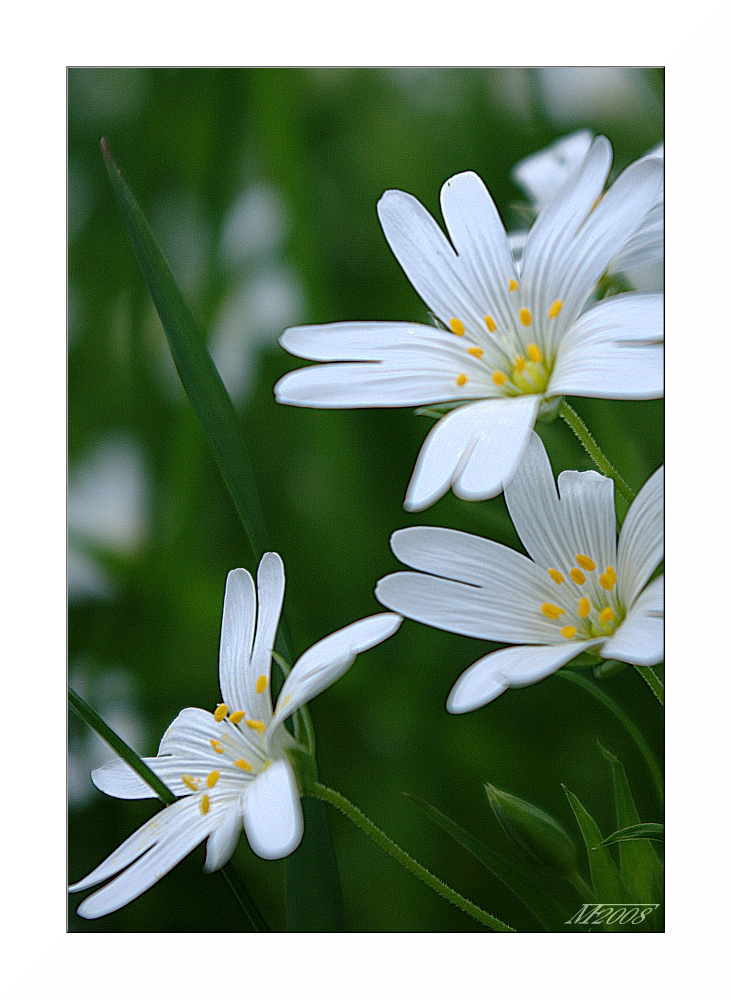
x: 653, y: 681
x: 592, y: 448
x: 419, y: 871
x: 609, y: 703
x: 100, y: 727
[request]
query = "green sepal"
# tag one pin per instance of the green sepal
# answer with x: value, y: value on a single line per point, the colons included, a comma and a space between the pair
x: 609, y: 668
x: 550, y: 914
x: 534, y: 832
x: 639, y: 831
x: 437, y: 410
x: 607, y: 884
x: 640, y: 867
x: 549, y: 409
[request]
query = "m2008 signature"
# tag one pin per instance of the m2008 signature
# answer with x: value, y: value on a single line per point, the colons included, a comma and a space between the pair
x: 613, y: 913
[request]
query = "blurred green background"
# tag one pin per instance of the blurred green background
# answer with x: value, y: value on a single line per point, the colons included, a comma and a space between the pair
x: 261, y: 186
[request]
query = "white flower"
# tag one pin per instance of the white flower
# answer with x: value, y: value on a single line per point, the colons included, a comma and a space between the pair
x: 542, y: 175
x: 510, y: 342
x: 230, y: 767
x: 577, y: 592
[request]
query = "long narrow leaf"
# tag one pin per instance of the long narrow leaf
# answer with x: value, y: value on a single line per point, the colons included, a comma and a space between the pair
x: 547, y: 910
x: 639, y: 831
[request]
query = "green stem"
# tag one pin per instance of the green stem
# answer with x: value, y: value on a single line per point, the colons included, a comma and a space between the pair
x: 419, y: 871
x: 653, y: 681
x: 100, y: 727
x: 592, y: 448
x: 630, y: 726
x: 582, y: 887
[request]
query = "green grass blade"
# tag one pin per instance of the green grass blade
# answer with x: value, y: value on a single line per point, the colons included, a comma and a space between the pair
x: 550, y: 914
x: 606, y: 881
x: 639, y: 831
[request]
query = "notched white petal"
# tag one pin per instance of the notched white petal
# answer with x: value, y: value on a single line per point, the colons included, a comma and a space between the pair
x: 272, y: 813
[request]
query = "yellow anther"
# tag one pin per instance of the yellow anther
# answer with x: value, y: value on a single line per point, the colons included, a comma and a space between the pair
x: 461, y: 379
x: 583, y: 608
x: 261, y: 683
x: 608, y: 579
x: 457, y: 327
x: 552, y: 611
x: 585, y: 562
x: 477, y: 352
x: 555, y: 308
x: 569, y: 631
x: 243, y: 765
x: 520, y: 364
x: 606, y: 615
x: 499, y: 378
x: 525, y: 316
x: 218, y: 747
x: 190, y: 782
x: 556, y: 576
x: 577, y: 575
x: 490, y: 323
x: 221, y: 712
x: 256, y: 724
x: 205, y: 804
x: 212, y: 779
x: 236, y: 717
x: 513, y: 285
x: 534, y: 352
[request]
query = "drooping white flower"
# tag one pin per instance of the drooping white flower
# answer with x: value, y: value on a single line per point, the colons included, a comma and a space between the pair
x: 579, y: 590
x: 230, y: 768
x: 510, y: 341
x: 542, y: 175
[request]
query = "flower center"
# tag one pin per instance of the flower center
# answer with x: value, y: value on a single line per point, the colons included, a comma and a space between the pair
x: 590, y: 607
x: 519, y: 366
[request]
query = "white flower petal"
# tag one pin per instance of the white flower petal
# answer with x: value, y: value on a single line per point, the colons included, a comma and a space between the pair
x: 363, y: 341
x: 329, y: 659
x: 116, y: 778
x: 272, y: 814
x: 645, y: 246
x: 491, y: 591
x: 542, y: 174
x: 640, y: 547
x: 475, y: 449
x: 639, y: 639
x: 223, y: 840
x: 605, y: 370
x: 516, y: 666
x: 627, y: 318
x: 170, y: 835
x: 237, y: 636
x: 270, y: 594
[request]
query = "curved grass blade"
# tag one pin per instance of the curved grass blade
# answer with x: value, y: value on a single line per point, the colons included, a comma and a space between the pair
x: 639, y: 831
x: 550, y: 914
x: 100, y: 727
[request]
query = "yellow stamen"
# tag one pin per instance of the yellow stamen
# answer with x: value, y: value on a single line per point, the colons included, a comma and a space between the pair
x: 218, y: 747
x: 606, y: 615
x: 256, y: 724
x: 190, y: 782
x: 212, y: 779
x: 477, y: 352
x: 525, y: 316
x: 552, y: 611
x: 569, y: 631
x: 585, y: 562
x: 608, y: 579
x: 461, y: 379
x: 520, y: 364
x: 499, y: 378
x: 513, y: 285
x: 236, y: 717
x: 221, y: 712
x: 583, y: 608
x: 243, y: 765
x: 205, y: 804
x: 555, y: 309
x: 491, y: 323
x: 556, y: 576
x: 534, y: 352
x: 457, y: 327
x: 577, y: 575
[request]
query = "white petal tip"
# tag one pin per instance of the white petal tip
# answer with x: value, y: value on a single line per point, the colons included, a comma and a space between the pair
x: 464, y: 697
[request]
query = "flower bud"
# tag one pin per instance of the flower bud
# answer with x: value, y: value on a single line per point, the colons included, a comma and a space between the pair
x: 536, y: 833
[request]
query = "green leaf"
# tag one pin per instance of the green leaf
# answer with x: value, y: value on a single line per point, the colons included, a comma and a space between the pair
x: 546, y: 909
x: 606, y: 880
x: 640, y: 867
x: 222, y: 428
x: 639, y: 831
x: 535, y: 832
x: 313, y: 890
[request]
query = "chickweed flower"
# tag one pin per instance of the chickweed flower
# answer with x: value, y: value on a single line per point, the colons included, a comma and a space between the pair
x: 229, y: 767
x: 578, y: 591
x: 508, y: 341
